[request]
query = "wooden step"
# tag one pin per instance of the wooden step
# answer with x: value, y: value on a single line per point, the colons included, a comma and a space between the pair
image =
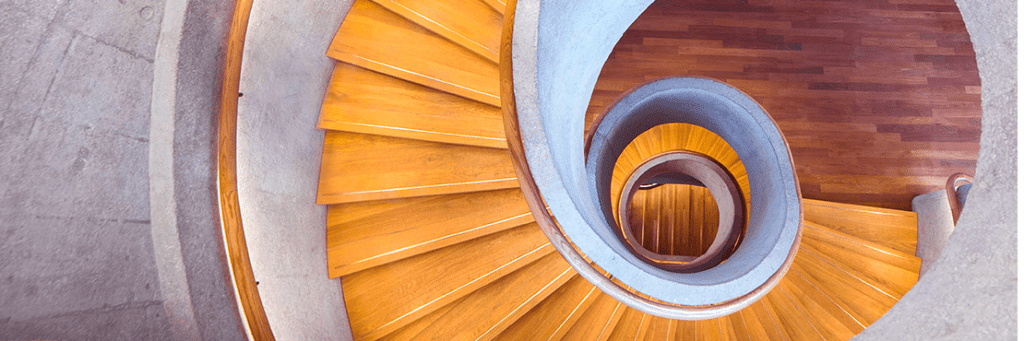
x: 488, y: 311
x: 382, y: 299
x: 885, y: 269
x: 632, y: 326
x: 734, y: 328
x: 552, y: 318
x: 686, y: 330
x: 375, y: 38
x: 472, y: 24
x: 365, y: 234
x: 598, y: 321
x: 360, y: 167
x: 894, y: 229
x: 863, y: 301
x: 497, y: 5
x: 362, y: 101
x: 826, y: 317
x: 793, y: 322
x: 660, y: 329
x: 674, y: 219
x: 759, y: 324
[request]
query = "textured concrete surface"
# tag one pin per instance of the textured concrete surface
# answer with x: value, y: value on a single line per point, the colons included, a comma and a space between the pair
x: 284, y: 78
x: 970, y: 292
x: 75, y: 240
x: 934, y: 225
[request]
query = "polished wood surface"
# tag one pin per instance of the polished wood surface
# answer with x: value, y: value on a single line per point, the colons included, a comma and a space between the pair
x: 381, y: 299
x: 486, y: 313
x: 879, y: 100
x: 678, y: 220
x: 552, y: 318
x: 598, y: 321
x: 365, y: 234
x: 357, y: 167
x: 238, y: 267
x: 632, y: 326
x: 473, y: 25
x: 380, y: 40
x: 362, y: 101
x: 893, y: 229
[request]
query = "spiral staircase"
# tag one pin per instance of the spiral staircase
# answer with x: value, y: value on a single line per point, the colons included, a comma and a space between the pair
x: 432, y: 236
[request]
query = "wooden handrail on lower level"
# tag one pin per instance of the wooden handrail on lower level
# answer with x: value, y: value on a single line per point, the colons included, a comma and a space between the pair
x: 250, y: 309
x: 951, y: 195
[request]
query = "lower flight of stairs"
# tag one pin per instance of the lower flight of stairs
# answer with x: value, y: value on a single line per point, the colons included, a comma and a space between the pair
x: 432, y: 239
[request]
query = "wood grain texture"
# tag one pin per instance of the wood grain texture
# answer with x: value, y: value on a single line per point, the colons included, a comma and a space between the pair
x: 358, y: 167
x: 362, y: 101
x: 863, y: 301
x: 553, y: 317
x: 632, y: 326
x: 878, y: 100
x: 371, y: 233
x: 382, y: 299
x: 678, y: 220
x: 482, y: 316
x: 474, y: 25
x: 252, y: 318
x: 660, y: 329
x: 829, y: 326
x: 497, y: 5
x: 884, y: 269
x: 598, y: 321
x: 893, y: 229
x: 794, y: 323
x: 380, y: 40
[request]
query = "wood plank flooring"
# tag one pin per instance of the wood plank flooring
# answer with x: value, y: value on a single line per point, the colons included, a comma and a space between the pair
x: 879, y: 100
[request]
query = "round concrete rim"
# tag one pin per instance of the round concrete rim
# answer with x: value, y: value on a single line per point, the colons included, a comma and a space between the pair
x: 711, y: 175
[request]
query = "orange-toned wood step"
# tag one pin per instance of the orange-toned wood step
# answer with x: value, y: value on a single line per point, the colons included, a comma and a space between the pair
x: 365, y: 234
x: 686, y: 330
x: 893, y: 229
x: 363, y: 101
x: 359, y: 167
x: 660, y: 329
x: 472, y: 24
x: 756, y: 323
x: 598, y: 321
x: 384, y: 298
x: 884, y: 269
x: 632, y: 326
x: 793, y: 322
x: 488, y: 311
x: 829, y: 322
x: 552, y: 318
x: 375, y: 38
x: 674, y: 219
x: 861, y: 299
x: 676, y: 137
x: 497, y: 5
x: 734, y: 328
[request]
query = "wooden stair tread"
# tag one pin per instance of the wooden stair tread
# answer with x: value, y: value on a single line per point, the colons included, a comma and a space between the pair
x: 497, y: 5
x: 820, y: 236
x: 894, y: 229
x: 472, y: 24
x: 734, y: 328
x: 708, y: 330
x: 793, y: 322
x: 365, y: 234
x: 863, y: 301
x: 757, y: 324
x: 632, y: 326
x: 375, y: 38
x: 820, y: 312
x: 382, y: 299
x: 363, y: 101
x: 598, y: 321
x: 553, y: 317
x: 660, y: 329
x: 480, y: 316
x: 894, y: 274
x: 406, y: 168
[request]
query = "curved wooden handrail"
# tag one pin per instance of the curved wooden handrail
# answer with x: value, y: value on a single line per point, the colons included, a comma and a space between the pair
x: 954, y: 200
x: 250, y: 309
x: 565, y: 247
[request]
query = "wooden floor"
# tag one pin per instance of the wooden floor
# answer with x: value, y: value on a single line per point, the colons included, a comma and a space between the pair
x: 879, y: 100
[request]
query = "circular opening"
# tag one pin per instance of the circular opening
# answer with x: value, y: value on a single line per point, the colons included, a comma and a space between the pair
x: 655, y: 240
